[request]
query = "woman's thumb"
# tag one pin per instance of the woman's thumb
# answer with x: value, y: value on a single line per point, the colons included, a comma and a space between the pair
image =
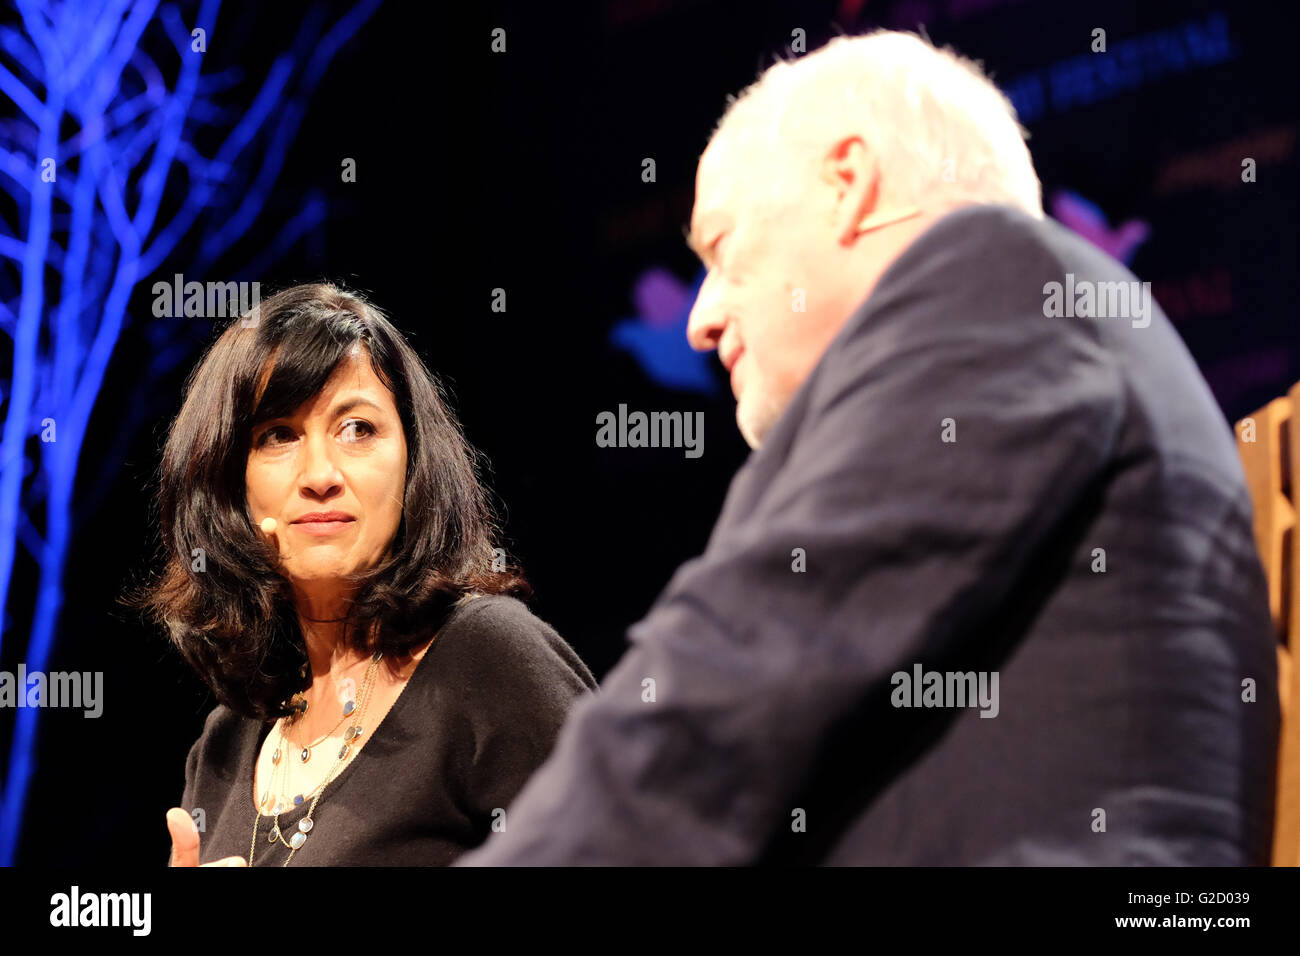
x: 185, y: 838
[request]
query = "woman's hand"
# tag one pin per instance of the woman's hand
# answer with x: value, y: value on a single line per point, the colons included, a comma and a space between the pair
x: 185, y: 842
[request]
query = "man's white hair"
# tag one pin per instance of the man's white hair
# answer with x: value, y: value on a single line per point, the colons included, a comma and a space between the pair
x: 941, y: 129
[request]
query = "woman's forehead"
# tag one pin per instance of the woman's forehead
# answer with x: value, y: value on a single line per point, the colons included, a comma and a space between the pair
x: 353, y: 378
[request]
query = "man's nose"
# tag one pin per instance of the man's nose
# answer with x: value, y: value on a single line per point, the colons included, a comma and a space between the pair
x: 707, y: 320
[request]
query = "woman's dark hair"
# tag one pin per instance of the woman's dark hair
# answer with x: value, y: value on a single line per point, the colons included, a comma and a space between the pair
x: 229, y: 608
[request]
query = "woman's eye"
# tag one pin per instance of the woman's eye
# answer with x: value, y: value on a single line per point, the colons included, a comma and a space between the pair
x: 355, y: 429
x: 278, y: 435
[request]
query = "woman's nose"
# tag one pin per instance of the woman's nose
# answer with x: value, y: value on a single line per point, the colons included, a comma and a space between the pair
x: 320, y: 472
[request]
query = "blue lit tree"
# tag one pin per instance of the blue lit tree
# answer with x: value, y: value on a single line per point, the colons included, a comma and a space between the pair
x: 95, y: 148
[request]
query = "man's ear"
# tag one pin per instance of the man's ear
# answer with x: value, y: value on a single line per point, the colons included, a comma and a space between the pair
x: 852, y: 171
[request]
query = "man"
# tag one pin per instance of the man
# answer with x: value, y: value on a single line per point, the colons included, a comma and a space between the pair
x: 986, y: 591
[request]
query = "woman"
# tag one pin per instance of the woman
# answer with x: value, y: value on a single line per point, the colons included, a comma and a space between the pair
x: 330, y: 573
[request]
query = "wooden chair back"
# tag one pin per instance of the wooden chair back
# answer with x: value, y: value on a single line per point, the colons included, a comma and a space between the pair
x: 1269, y: 444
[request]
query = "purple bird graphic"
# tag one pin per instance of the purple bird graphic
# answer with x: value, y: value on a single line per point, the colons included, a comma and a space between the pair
x: 1086, y: 218
x: 656, y: 335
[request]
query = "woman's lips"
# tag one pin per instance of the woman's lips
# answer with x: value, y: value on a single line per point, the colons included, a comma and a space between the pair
x: 321, y: 527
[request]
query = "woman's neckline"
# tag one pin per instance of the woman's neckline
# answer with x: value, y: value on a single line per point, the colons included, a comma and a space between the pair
x: 265, y: 730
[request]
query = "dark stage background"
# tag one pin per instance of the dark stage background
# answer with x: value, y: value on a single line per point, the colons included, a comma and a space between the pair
x: 522, y: 171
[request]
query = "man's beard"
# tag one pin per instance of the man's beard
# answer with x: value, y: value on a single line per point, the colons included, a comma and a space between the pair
x: 756, y: 417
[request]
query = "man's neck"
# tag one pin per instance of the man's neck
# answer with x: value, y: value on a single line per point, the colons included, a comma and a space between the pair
x: 879, y: 250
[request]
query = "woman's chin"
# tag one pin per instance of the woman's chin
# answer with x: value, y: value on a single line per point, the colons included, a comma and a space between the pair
x: 317, y: 572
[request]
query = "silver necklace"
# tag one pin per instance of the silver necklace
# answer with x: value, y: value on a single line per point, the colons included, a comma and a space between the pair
x: 295, y: 842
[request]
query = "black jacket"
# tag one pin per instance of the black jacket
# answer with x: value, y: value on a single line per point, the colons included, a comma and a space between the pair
x: 979, y: 487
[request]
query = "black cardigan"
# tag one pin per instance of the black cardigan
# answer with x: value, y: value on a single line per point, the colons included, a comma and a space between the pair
x: 481, y: 712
